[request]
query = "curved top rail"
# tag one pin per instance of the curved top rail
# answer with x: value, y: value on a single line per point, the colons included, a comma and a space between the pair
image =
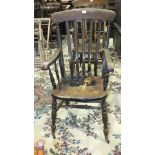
x: 83, y: 13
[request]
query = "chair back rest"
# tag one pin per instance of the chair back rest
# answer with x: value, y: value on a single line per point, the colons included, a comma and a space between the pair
x: 74, y: 17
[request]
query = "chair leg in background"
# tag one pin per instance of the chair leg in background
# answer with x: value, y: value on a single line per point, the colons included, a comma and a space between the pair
x: 54, y: 112
x: 105, y: 119
x: 67, y: 103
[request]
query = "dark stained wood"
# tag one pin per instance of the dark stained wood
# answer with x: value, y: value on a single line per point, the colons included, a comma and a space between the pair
x: 82, y: 106
x: 61, y: 62
x: 117, y: 38
x: 108, y: 33
x: 105, y: 120
x: 106, y: 67
x: 56, y: 71
x: 89, y: 50
x: 53, y: 114
x: 76, y: 46
x: 97, y: 48
x: 91, y: 53
x: 83, y: 46
x: 118, y: 11
x: 83, y: 13
x: 90, y: 45
x: 52, y: 78
x: 106, y: 80
x: 70, y: 57
x: 104, y: 64
x: 82, y: 87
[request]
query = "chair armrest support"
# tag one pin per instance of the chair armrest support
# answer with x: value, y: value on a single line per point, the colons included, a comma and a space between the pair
x: 45, y: 65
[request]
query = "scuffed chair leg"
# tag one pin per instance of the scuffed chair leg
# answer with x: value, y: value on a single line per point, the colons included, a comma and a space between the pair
x: 54, y: 112
x: 105, y: 120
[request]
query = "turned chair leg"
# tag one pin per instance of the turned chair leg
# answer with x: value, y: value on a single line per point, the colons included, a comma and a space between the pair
x: 105, y: 119
x: 54, y: 112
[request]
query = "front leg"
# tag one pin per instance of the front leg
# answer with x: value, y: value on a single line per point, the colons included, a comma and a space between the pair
x: 105, y: 119
x: 54, y: 112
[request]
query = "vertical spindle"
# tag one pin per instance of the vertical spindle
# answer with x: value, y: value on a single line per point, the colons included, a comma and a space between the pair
x: 61, y: 61
x: 83, y: 46
x: 108, y: 33
x: 69, y: 49
x: 90, y: 44
x: 56, y: 71
x: 52, y: 78
x: 97, y: 47
x: 76, y: 46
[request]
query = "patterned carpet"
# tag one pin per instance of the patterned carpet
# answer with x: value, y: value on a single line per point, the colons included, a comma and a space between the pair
x: 79, y: 131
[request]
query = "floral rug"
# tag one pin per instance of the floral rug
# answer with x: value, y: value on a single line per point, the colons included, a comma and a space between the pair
x: 78, y: 131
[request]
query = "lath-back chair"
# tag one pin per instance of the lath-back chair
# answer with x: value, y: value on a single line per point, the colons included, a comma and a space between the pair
x: 82, y: 83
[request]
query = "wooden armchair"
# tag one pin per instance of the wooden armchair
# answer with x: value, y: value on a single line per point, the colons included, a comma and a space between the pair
x: 81, y: 83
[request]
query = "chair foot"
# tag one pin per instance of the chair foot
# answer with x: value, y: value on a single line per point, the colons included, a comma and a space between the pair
x: 105, y: 120
x: 106, y: 132
x: 53, y: 131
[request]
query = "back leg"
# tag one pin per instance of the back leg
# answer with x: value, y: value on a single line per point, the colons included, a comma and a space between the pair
x: 105, y: 119
x: 54, y: 112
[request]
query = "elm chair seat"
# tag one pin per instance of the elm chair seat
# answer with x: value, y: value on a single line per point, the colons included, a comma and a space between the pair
x: 84, y: 88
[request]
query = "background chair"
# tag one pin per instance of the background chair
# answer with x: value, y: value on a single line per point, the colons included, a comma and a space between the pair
x: 91, y: 4
x: 41, y: 43
x: 82, y: 83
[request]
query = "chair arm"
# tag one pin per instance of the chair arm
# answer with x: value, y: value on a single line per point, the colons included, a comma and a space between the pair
x: 108, y: 60
x: 45, y: 65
